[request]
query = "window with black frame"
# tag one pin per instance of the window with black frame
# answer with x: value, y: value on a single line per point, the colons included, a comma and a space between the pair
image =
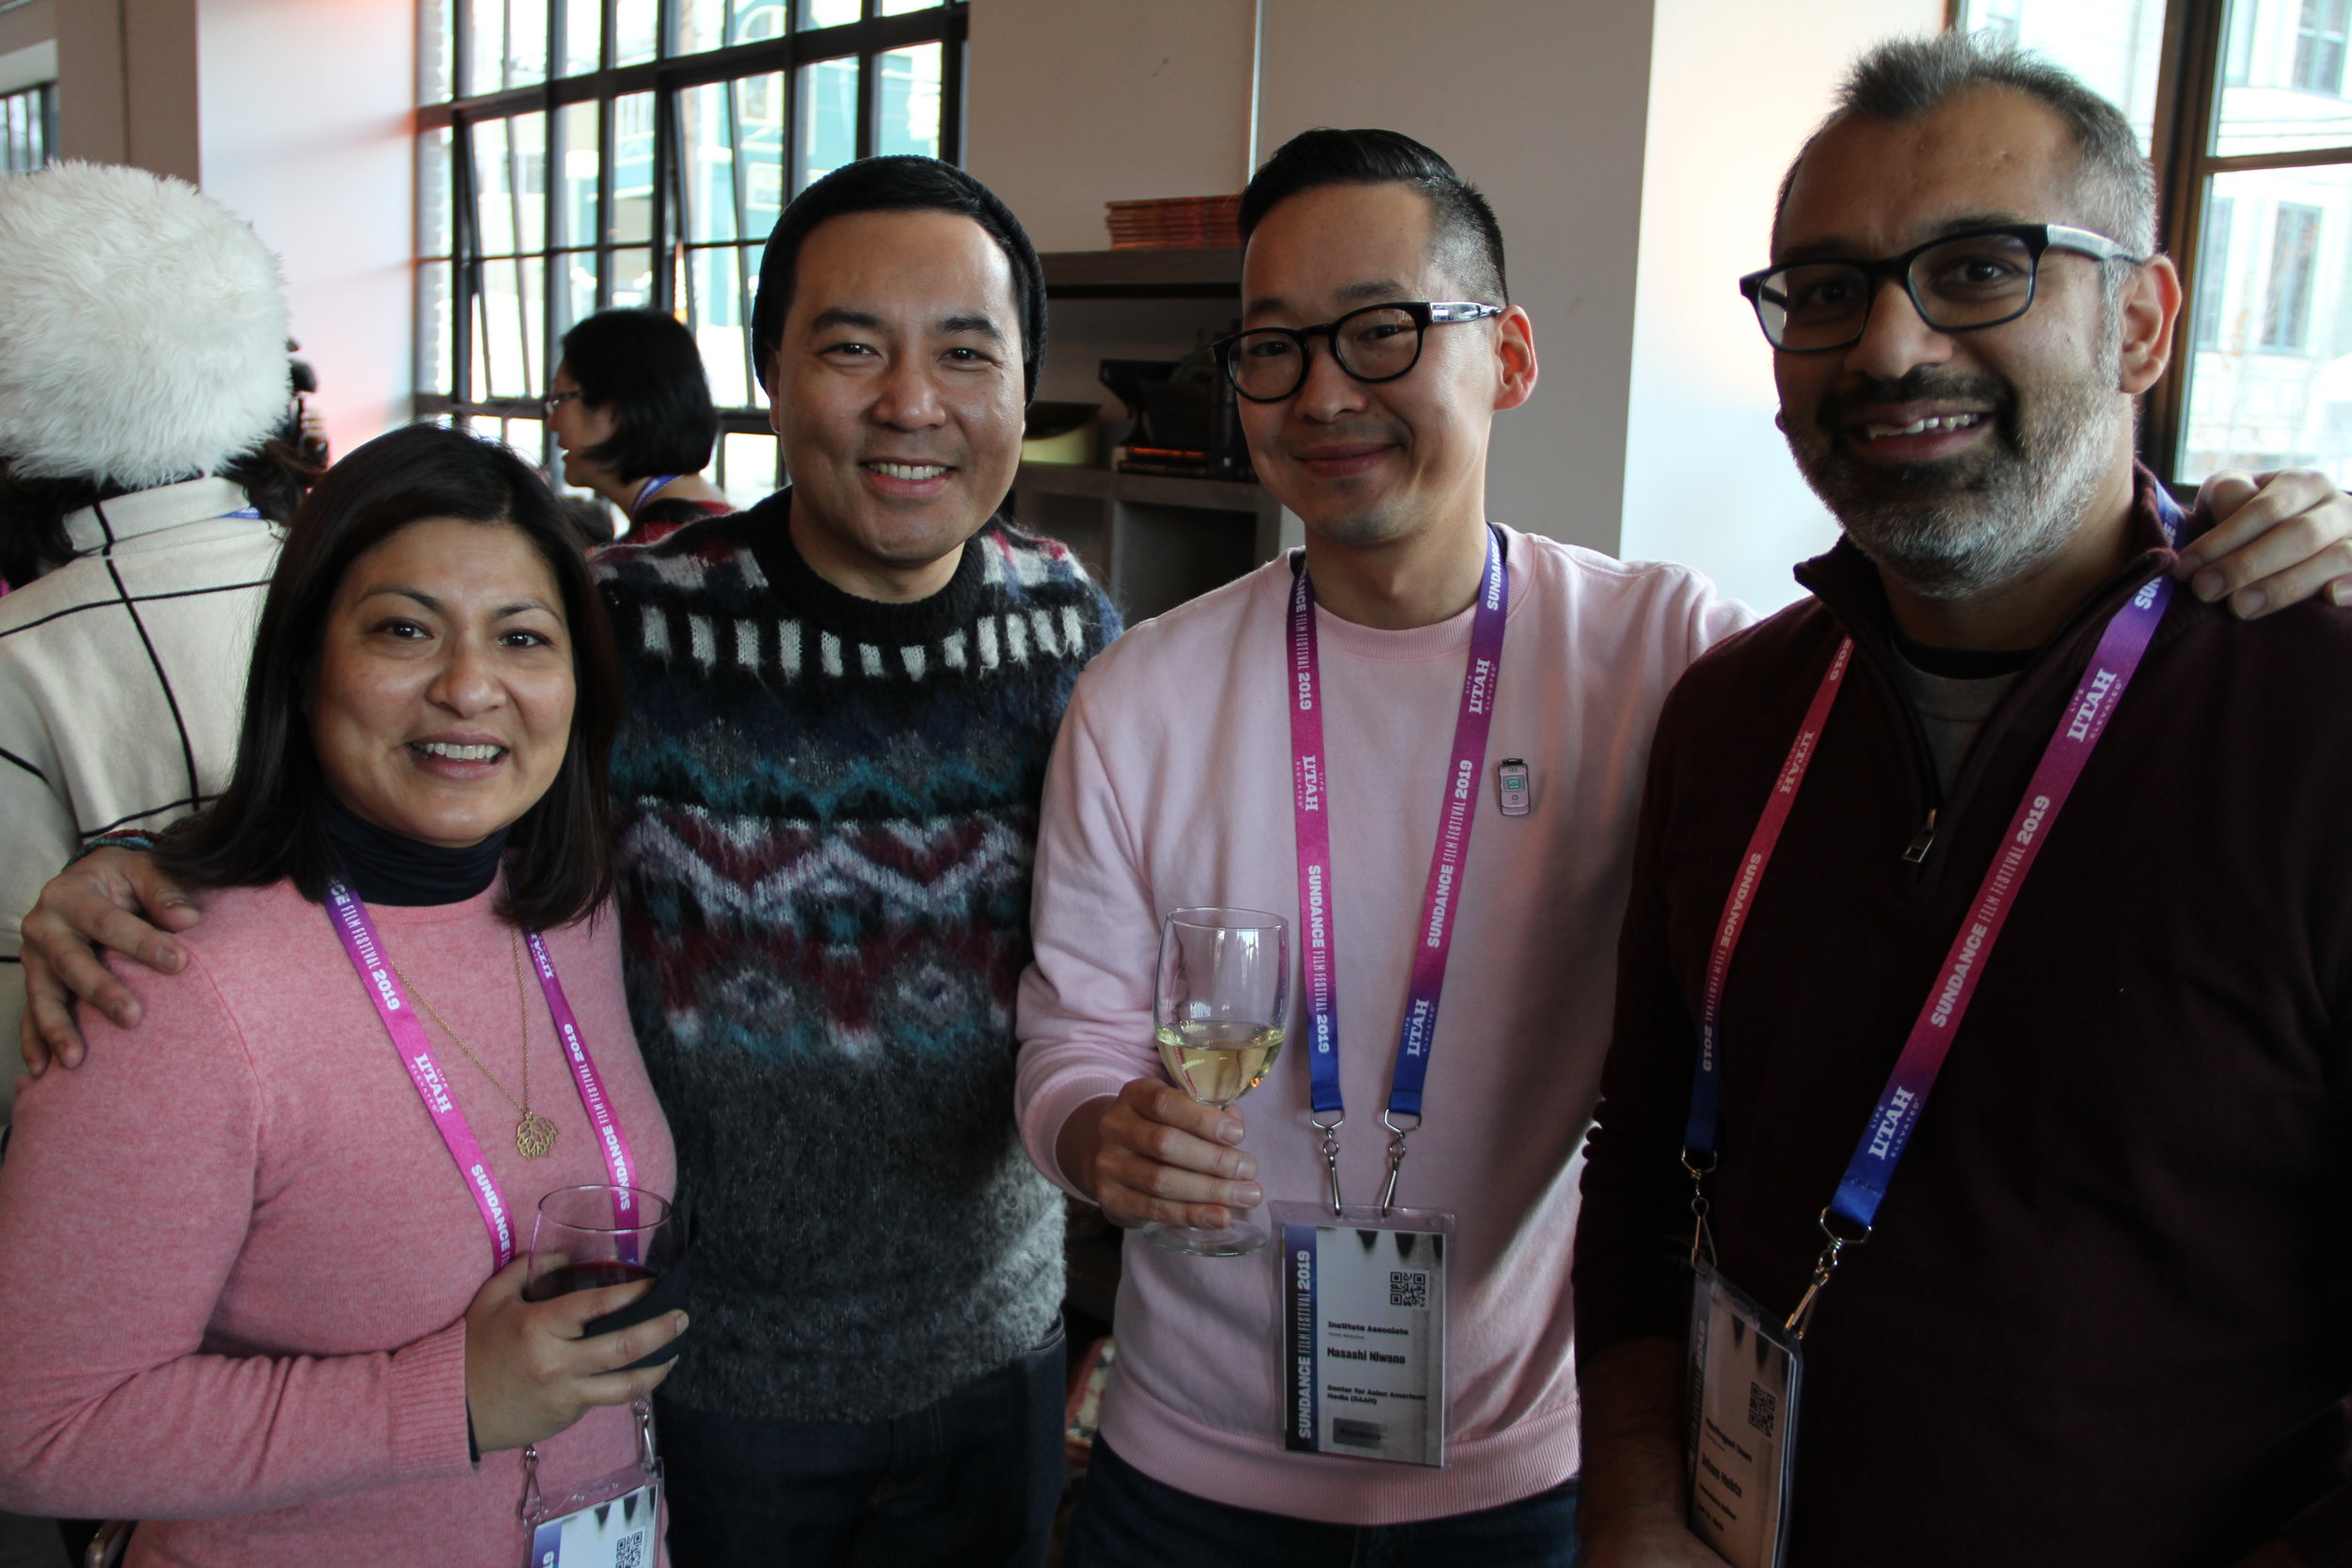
x: 2241, y: 104
x: 580, y: 155
x: 29, y: 128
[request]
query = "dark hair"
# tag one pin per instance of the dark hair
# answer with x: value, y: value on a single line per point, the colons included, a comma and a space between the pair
x: 645, y: 367
x: 1463, y: 233
x: 266, y: 825
x: 900, y: 184
x: 591, y: 521
x: 33, y: 538
x: 1905, y: 78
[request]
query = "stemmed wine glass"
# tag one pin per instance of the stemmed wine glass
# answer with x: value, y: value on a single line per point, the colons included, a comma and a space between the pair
x: 579, y: 1243
x: 1217, y: 1013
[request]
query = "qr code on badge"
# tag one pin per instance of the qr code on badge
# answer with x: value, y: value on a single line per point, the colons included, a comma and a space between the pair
x: 1763, y: 1408
x: 1409, y: 1287
x: 629, y: 1551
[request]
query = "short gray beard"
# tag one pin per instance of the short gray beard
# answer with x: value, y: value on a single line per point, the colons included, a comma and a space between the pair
x: 1954, y: 535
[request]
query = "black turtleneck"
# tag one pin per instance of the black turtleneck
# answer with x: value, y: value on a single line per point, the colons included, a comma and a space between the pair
x: 386, y: 867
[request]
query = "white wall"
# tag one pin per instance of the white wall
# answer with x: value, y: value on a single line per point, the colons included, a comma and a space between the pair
x: 126, y: 83
x: 1540, y: 102
x: 29, y: 26
x: 309, y: 134
x: 1707, y: 478
x: 296, y: 115
x: 1071, y: 104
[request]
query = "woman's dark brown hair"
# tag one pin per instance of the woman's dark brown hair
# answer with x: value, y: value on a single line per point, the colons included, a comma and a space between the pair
x: 266, y: 825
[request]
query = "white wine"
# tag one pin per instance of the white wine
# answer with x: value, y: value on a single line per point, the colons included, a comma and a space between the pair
x: 1219, y: 1062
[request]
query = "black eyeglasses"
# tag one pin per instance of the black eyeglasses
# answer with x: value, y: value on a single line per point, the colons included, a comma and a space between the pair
x: 556, y: 400
x: 1958, y: 284
x: 1378, y: 342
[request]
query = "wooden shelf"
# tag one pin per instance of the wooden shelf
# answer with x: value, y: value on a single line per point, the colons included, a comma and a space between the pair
x: 1207, y: 274
x: 1152, y: 539
x: 1207, y: 494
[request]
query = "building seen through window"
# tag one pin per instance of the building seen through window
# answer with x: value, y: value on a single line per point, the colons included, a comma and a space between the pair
x: 578, y: 155
x: 2319, y: 47
x: 29, y: 128
x: 2254, y: 155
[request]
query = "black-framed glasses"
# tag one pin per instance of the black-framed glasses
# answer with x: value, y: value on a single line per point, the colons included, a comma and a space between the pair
x: 1378, y: 342
x: 556, y: 400
x: 1958, y: 284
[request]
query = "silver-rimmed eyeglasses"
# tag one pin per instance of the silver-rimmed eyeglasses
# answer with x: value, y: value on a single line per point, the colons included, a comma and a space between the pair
x: 1378, y: 342
x: 1958, y: 284
x: 556, y: 400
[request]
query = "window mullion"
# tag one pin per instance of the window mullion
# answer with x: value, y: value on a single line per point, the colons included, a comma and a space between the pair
x: 461, y: 47
x: 951, y: 99
x: 738, y: 167
x: 601, y: 237
x: 2186, y: 101
x: 868, y: 101
x: 463, y: 250
x: 668, y: 202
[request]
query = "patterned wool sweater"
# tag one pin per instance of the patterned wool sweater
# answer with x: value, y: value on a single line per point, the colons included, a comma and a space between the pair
x: 825, y: 809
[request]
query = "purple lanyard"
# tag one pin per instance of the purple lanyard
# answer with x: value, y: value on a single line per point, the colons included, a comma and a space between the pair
x: 358, y: 932
x: 1896, y: 1116
x: 1308, y: 790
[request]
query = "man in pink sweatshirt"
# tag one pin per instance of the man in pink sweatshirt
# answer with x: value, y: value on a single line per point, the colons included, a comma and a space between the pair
x: 1379, y: 345
x: 1171, y: 787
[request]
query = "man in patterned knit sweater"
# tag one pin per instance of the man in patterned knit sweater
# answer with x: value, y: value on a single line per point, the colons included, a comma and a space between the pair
x: 826, y: 802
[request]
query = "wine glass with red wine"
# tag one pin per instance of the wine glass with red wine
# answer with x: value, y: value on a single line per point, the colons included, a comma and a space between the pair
x: 583, y: 1241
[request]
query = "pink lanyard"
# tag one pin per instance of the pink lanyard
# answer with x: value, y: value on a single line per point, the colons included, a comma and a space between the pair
x: 1441, y: 898
x: 1884, y: 1137
x: 350, y: 917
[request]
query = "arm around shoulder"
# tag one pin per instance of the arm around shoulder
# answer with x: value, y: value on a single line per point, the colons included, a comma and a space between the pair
x: 39, y: 840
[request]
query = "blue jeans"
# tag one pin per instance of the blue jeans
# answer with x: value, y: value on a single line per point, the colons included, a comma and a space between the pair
x: 973, y: 1479
x: 1126, y: 1519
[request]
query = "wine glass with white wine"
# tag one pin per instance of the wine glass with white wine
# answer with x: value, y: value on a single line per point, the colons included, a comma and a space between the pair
x: 1217, y: 1013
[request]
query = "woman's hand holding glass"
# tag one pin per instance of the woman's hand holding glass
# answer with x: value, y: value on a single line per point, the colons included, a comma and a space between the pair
x: 529, y: 1374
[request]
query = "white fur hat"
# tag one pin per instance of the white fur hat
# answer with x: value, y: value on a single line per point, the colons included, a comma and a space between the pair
x: 142, y: 328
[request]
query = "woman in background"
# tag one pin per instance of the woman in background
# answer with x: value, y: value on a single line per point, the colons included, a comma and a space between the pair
x: 631, y: 411
x: 253, y: 1302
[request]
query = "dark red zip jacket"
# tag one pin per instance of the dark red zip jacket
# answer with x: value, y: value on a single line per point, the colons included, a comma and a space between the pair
x: 2104, y: 1316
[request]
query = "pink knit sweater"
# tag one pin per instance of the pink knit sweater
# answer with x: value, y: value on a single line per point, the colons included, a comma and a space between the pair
x: 238, y: 1257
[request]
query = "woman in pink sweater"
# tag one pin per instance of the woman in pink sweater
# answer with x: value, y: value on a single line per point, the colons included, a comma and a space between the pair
x: 250, y: 1300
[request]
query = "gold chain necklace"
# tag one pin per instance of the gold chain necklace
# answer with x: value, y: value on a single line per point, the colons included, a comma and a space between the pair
x: 534, y: 1135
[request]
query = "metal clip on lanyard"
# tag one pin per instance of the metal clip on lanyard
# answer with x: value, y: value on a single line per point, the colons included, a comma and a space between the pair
x: 1442, y: 899
x: 1847, y: 1221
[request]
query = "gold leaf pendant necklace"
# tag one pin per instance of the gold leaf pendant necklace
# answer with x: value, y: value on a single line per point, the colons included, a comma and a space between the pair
x: 534, y: 1135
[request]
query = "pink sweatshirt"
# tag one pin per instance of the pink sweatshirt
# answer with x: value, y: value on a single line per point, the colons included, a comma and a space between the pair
x: 238, y: 1256
x: 1170, y: 786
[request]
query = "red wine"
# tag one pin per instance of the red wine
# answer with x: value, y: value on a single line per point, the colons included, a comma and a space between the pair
x: 584, y: 1277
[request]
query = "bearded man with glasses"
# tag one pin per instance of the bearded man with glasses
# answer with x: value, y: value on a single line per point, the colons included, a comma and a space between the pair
x: 1981, y: 1031
x: 1460, y: 711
